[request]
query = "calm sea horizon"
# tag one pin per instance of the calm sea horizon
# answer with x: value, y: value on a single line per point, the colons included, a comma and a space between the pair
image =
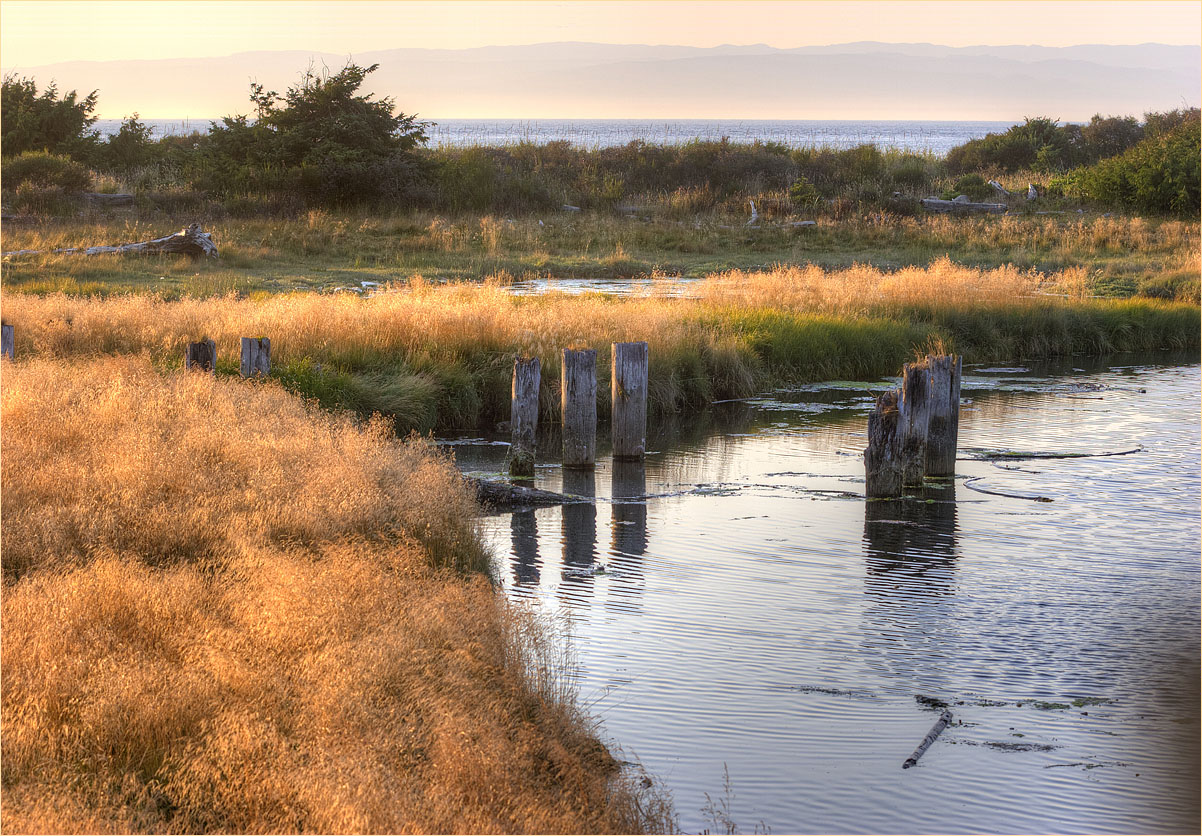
x: 909, y: 135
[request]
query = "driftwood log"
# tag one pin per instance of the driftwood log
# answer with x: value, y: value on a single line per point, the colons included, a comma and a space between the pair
x: 500, y: 496
x: 191, y: 241
x: 103, y: 199
x: 961, y: 204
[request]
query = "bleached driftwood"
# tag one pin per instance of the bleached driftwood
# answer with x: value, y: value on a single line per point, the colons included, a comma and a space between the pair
x: 188, y: 241
x: 961, y: 204
x: 999, y: 188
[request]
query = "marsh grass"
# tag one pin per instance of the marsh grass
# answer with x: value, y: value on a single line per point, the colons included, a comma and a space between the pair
x: 224, y: 611
x: 324, y: 250
x: 432, y: 355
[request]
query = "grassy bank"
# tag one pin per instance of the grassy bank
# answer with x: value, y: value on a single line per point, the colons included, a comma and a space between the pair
x: 321, y: 250
x: 441, y: 355
x: 224, y: 611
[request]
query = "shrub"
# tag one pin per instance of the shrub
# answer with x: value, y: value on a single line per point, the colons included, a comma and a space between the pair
x: 130, y: 147
x: 46, y: 122
x: 41, y: 169
x: 973, y: 185
x: 802, y: 193
x: 1162, y: 174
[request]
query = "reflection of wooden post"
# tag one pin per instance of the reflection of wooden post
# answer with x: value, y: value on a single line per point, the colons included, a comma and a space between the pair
x: 882, y: 459
x: 944, y: 429
x: 628, y: 388
x: 913, y: 421
x: 579, y: 520
x: 6, y: 341
x: 256, y: 356
x: 628, y: 487
x: 524, y: 530
x: 578, y: 388
x: 524, y: 415
x: 201, y: 355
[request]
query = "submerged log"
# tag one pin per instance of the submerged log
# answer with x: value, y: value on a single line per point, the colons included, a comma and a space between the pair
x: 500, y: 496
x: 936, y: 730
x: 934, y: 204
x: 883, y: 468
x: 191, y: 241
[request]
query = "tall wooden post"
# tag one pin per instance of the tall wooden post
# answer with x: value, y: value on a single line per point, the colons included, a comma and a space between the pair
x: 914, y: 421
x: 882, y: 458
x: 524, y: 415
x: 256, y: 356
x: 944, y: 430
x: 628, y: 389
x: 578, y: 390
x: 201, y: 355
x: 6, y: 341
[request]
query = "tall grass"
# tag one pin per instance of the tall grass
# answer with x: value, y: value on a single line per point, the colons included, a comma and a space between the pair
x: 224, y: 611
x: 441, y: 355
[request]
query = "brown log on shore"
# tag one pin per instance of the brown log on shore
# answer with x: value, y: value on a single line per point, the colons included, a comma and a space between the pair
x: 190, y: 241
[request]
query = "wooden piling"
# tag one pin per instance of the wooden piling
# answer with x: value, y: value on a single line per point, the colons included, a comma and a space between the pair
x: 6, y: 342
x: 914, y: 421
x: 628, y: 389
x: 524, y: 415
x: 201, y: 355
x: 256, y: 356
x: 578, y: 391
x: 944, y: 427
x: 882, y: 458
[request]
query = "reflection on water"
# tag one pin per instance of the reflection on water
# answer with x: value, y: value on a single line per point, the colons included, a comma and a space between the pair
x: 747, y: 609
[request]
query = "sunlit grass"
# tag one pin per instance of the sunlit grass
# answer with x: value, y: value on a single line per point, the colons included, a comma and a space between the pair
x: 225, y: 611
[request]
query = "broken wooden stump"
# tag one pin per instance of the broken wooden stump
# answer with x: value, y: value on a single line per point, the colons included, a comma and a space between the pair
x: 256, y: 356
x: 6, y: 342
x: 628, y: 390
x: 578, y: 393
x: 944, y: 427
x: 913, y: 421
x: 883, y: 466
x: 202, y: 356
x: 523, y: 415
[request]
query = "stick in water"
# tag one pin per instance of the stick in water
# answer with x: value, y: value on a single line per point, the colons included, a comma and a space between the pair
x: 944, y: 719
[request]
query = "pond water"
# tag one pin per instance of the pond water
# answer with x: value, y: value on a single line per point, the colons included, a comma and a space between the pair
x: 736, y: 608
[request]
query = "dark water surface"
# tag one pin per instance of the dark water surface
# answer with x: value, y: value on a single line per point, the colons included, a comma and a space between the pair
x: 736, y: 605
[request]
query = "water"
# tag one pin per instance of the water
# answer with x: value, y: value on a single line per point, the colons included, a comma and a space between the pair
x: 735, y: 605
x: 936, y: 137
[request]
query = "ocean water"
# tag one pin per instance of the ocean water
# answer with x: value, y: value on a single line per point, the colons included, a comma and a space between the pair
x: 935, y: 137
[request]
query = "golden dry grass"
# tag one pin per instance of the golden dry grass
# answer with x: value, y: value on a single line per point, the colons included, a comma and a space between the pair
x: 224, y: 611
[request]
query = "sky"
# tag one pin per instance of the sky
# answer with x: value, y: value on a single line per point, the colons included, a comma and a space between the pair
x: 38, y: 32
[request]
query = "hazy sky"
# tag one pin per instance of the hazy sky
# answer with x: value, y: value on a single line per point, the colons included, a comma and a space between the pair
x: 37, y: 32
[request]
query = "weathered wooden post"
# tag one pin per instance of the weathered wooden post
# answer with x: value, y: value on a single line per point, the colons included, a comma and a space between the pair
x: 201, y: 355
x: 578, y: 391
x: 6, y: 341
x: 944, y: 429
x: 256, y: 356
x: 914, y: 418
x: 628, y: 390
x: 882, y: 458
x: 523, y: 415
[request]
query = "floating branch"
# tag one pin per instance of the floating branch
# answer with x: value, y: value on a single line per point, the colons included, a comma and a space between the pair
x: 936, y: 730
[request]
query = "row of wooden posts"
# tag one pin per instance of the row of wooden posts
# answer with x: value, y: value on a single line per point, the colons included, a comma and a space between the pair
x: 578, y: 401
x: 913, y: 431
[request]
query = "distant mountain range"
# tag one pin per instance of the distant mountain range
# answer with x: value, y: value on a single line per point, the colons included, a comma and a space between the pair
x: 865, y: 80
